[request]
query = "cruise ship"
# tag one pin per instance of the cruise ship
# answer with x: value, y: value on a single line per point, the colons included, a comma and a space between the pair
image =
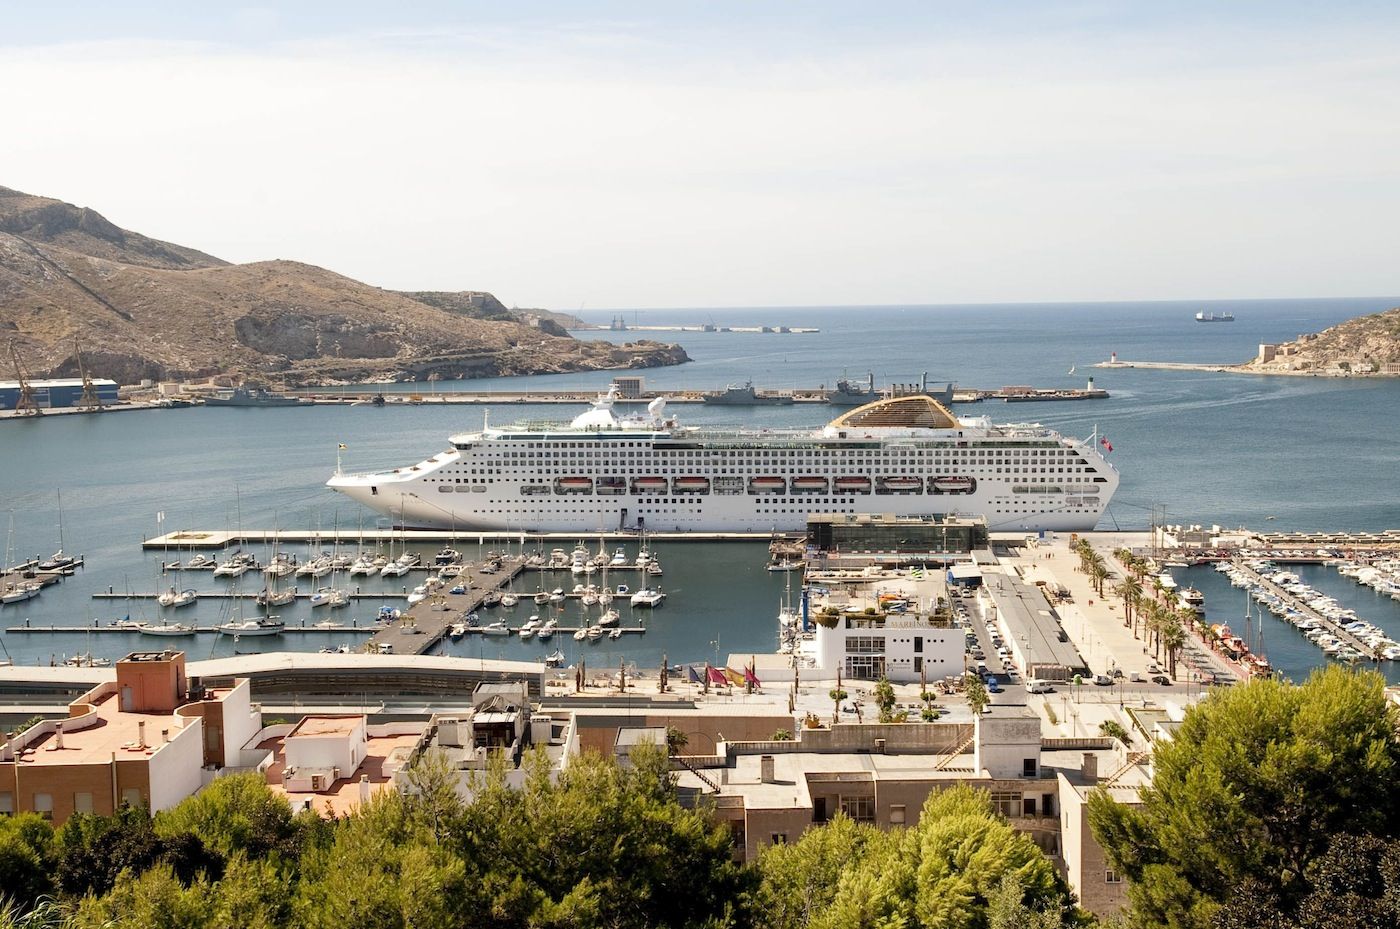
x: 603, y: 472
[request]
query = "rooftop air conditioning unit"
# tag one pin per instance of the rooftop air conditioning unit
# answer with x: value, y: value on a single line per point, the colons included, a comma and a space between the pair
x: 449, y: 732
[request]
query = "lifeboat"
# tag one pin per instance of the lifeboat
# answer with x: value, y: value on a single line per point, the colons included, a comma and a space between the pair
x: 809, y: 485
x: 767, y: 485
x: 612, y: 485
x: 649, y: 485
x: 691, y: 485
x: 574, y: 485
x: 953, y: 484
x: 853, y: 485
x: 900, y: 485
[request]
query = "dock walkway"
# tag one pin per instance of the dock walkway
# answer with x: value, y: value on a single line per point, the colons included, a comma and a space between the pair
x: 211, y: 539
x: 1329, y: 624
x: 423, y: 625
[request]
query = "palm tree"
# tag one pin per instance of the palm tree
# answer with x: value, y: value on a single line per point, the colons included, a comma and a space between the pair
x: 1174, y: 638
x: 1130, y: 589
x: 1098, y: 573
x: 1156, y: 620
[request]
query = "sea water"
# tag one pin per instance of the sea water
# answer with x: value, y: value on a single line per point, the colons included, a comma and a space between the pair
x: 1269, y: 452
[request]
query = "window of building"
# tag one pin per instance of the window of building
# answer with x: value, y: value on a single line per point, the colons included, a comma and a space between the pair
x: 1028, y: 806
x: 131, y: 796
x: 778, y: 838
x: 82, y: 802
x: 1028, y: 767
x: 1007, y: 802
x: 860, y: 809
x: 896, y: 814
x: 43, y: 805
x: 7, y: 803
x: 1112, y: 877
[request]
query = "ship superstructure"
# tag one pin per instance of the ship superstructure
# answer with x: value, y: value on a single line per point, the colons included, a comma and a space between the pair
x: 904, y: 455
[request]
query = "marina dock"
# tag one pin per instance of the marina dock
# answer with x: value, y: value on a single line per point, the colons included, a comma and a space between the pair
x: 797, y: 395
x: 423, y: 625
x: 28, y: 573
x: 1329, y: 624
x: 207, y: 539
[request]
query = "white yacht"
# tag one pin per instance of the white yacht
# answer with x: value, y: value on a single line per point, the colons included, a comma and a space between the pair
x: 270, y: 626
x: 905, y: 455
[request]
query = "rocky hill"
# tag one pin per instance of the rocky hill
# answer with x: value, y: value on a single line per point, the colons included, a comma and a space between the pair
x: 1366, y: 345
x: 144, y: 308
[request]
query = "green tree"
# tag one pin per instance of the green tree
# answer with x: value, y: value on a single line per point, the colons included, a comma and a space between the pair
x: 676, y: 739
x: 45, y: 914
x: 26, y: 860
x: 943, y: 873
x: 837, y: 695
x: 800, y: 879
x: 431, y: 793
x: 977, y: 696
x: 1130, y: 589
x: 238, y: 812
x: 884, y: 699
x: 1250, y: 792
x: 599, y: 845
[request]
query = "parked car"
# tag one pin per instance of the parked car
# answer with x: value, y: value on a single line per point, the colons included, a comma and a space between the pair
x: 1161, y: 679
x: 1103, y: 680
x: 1038, y: 687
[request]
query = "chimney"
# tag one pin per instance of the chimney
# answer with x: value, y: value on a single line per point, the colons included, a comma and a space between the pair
x: 765, y: 769
x: 141, y: 733
x: 364, y: 788
x: 164, y: 736
x: 1090, y: 768
x: 58, y: 736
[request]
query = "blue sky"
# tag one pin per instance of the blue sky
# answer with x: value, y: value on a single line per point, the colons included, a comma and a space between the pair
x: 664, y: 154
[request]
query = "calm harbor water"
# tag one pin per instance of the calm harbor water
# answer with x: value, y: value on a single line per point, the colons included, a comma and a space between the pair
x: 1313, y: 453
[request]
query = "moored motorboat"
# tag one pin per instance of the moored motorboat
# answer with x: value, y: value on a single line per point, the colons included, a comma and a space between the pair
x: 647, y: 597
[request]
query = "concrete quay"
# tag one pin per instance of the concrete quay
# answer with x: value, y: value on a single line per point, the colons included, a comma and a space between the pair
x: 423, y: 625
x: 1095, y: 624
x: 213, y: 539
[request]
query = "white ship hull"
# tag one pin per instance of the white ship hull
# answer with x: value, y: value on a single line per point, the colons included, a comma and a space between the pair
x: 606, y: 475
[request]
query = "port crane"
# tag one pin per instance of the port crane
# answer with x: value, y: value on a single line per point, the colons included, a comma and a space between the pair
x: 25, y: 405
x: 89, y: 402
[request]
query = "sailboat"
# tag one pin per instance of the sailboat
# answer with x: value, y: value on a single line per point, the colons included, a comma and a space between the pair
x: 787, y: 616
x: 58, y: 561
x: 270, y: 596
x: 19, y: 590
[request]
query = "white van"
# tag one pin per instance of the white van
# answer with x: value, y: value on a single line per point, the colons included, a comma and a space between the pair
x: 1034, y: 686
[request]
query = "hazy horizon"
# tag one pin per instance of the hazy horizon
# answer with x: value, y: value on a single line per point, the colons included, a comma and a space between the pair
x: 622, y: 155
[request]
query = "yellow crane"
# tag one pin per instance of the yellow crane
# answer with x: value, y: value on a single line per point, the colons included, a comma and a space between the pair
x: 25, y: 405
x: 89, y: 402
